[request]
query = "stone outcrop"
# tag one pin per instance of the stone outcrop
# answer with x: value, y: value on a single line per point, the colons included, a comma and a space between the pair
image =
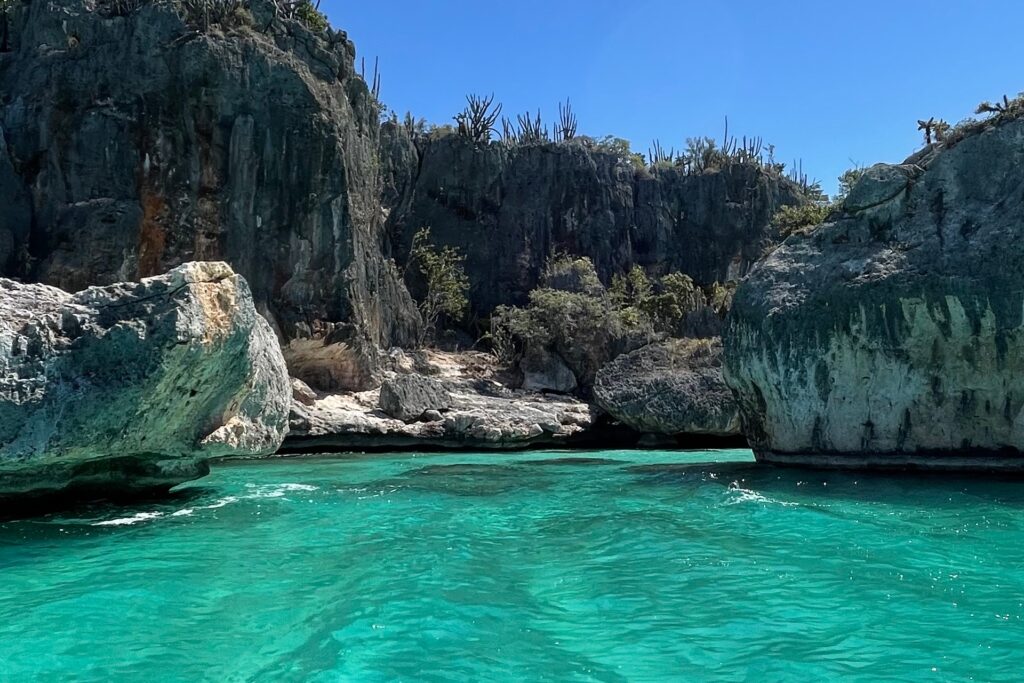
x: 671, y: 387
x: 134, y: 386
x: 892, y: 335
x: 479, y: 413
x: 132, y: 141
x: 509, y: 209
x: 408, y: 397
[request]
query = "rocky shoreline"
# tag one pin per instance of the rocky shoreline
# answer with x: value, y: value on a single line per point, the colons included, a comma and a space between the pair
x: 470, y: 407
x: 236, y: 213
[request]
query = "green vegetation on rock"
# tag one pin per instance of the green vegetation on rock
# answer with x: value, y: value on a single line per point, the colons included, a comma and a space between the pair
x: 444, y: 279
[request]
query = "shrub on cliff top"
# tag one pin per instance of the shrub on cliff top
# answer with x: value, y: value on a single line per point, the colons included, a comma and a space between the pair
x: 310, y: 15
x: 794, y: 219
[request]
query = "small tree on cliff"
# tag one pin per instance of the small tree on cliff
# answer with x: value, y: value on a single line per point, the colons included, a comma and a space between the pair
x: 444, y: 279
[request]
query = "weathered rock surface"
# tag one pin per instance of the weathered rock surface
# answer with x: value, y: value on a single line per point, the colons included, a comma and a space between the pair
x: 509, y: 209
x: 302, y: 393
x: 893, y: 333
x: 130, y: 144
x: 134, y: 386
x: 482, y: 413
x: 544, y: 370
x: 670, y: 387
x: 408, y: 397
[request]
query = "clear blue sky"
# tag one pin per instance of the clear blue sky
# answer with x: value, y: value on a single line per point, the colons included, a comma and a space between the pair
x: 831, y: 83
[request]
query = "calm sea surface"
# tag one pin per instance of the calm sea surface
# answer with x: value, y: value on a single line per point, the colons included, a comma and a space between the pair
x: 593, y: 566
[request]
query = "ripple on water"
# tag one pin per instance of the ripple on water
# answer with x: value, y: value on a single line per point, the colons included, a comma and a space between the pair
x: 611, y: 566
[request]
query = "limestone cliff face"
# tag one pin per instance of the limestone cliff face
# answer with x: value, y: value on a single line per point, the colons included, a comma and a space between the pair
x: 134, y: 141
x: 130, y: 144
x: 509, y: 209
x: 894, y: 333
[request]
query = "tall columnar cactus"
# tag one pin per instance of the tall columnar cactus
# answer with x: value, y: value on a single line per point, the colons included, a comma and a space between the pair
x: 477, y: 120
x: 566, y: 129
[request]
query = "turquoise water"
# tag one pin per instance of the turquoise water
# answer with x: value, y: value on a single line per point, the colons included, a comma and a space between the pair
x: 611, y: 566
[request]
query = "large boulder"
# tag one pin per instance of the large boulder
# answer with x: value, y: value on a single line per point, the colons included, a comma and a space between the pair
x: 134, y: 386
x: 407, y: 397
x: 893, y: 334
x: 671, y: 387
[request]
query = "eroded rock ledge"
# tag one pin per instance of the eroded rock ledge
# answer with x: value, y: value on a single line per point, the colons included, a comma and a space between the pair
x: 892, y: 335
x: 132, y: 387
x: 459, y: 404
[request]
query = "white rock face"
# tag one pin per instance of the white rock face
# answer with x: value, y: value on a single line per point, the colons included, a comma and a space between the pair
x: 135, y: 385
x: 893, y: 334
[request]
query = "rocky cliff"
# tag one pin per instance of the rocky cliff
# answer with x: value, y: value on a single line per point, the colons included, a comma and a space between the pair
x: 510, y: 207
x: 133, y: 386
x: 133, y: 140
x: 893, y: 334
x: 137, y: 135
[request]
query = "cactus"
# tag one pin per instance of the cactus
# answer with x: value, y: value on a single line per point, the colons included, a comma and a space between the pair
x: 566, y: 129
x: 928, y: 127
x: 531, y: 130
x: 476, y: 121
x: 997, y: 108
x: 658, y: 156
x: 375, y: 84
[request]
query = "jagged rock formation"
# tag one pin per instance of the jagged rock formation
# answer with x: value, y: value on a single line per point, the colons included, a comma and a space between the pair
x: 670, y: 387
x: 510, y: 208
x: 134, y: 386
x: 893, y: 334
x: 130, y: 144
x: 472, y: 410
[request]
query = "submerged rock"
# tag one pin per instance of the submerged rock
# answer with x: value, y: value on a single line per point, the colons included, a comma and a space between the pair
x: 134, y: 386
x: 671, y: 387
x: 893, y: 334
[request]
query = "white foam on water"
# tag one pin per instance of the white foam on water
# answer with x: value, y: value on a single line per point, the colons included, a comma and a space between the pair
x: 128, y: 521
x: 278, y: 490
x: 737, y: 495
x: 221, y: 503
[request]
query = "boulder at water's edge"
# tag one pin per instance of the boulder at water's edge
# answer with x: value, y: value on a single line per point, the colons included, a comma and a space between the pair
x: 893, y: 334
x: 133, y: 386
x: 671, y: 387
